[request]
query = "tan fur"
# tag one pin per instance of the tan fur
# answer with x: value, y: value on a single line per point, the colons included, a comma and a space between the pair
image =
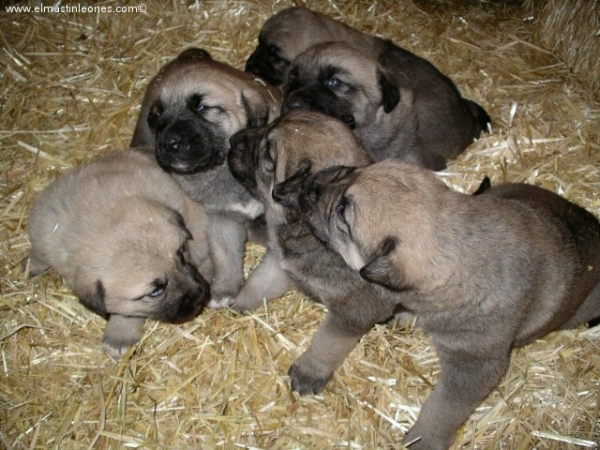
x: 112, y: 228
x: 483, y: 273
x: 231, y: 100
x: 272, y: 162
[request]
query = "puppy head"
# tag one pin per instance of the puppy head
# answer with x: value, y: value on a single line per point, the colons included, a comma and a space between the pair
x: 381, y: 219
x: 272, y: 162
x: 141, y: 266
x: 340, y: 81
x: 279, y: 42
x: 194, y: 105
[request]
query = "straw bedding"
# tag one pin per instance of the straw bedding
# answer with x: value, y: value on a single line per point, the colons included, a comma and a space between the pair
x: 70, y: 91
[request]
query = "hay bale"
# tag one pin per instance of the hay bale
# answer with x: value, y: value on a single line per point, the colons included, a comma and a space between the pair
x: 571, y: 29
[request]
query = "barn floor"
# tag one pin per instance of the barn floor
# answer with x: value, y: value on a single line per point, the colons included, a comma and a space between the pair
x: 71, y: 90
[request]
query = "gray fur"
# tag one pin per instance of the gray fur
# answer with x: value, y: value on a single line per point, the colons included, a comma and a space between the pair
x: 483, y: 273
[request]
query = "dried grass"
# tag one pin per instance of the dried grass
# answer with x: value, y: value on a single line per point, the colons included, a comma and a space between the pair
x: 70, y: 91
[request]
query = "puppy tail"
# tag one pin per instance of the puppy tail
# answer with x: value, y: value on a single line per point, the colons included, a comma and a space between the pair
x: 482, y: 118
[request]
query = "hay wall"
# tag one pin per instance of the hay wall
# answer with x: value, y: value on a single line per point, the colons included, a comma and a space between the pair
x: 70, y: 90
x: 571, y: 28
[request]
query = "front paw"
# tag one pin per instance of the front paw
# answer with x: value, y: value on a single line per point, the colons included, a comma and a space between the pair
x: 116, y: 347
x: 220, y: 303
x: 305, y: 381
x: 244, y: 304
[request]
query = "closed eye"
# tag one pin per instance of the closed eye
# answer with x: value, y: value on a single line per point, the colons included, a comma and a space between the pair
x: 196, y: 105
x: 341, y: 210
x: 269, y: 160
x: 274, y: 56
x: 158, y: 289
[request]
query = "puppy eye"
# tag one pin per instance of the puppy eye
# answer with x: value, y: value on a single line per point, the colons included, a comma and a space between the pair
x: 340, y: 209
x: 268, y: 157
x: 159, y: 289
x: 275, y: 58
x: 183, y: 254
x: 195, y: 104
x: 334, y: 82
x: 157, y: 292
x: 154, y: 115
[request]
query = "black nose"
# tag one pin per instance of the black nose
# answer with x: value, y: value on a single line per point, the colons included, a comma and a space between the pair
x: 296, y: 101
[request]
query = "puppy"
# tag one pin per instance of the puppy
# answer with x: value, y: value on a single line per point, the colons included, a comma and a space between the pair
x: 399, y: 107
x: 280, y: 41
x: 127, y: 240
x: 483, y: 273
x: 190, y: 110
x: 272, y: 162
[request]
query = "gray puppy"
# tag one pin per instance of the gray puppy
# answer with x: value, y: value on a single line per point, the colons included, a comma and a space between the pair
x: 190, y: 110
x: 127, y: 240
x: 289, y: 32
x: 399, y: 108
x: 483, y: 273
x: 447, y: 123
x: 272, y: 162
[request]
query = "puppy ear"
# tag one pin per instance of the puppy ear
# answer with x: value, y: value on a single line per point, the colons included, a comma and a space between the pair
x: 180, y: 222
x: 193, y: 53
x: 286, y: 193
x: 381, y: 269
x: 390, y: 93
x: 94, y: 299
x: 486, y: 184
x: 257, y: 111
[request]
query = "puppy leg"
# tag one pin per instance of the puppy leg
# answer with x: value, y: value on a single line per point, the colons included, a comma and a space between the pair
x: 267, y: 281
x: 466, y: 381
x: 35, y: 264
x: 329, y: 347
x: 121, y: 333
x: 200, y: 251
x: 588, y: 312
x: 227, y: 239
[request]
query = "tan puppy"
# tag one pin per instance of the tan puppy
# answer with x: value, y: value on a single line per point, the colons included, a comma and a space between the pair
x: 483, y: 273
x: 190, y: 110
x: 398, y: 107
x: 127, y: 240
x: 272, y: 162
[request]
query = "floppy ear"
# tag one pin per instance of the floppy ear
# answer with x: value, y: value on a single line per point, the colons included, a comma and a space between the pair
x: 94, y: 299
x: 381, y: 269
x: 180, y: 222
x: 390, y: 93
x: 193, y: 53
x: 257, y: 110
x: 286, y: 193
x: 486, y: 184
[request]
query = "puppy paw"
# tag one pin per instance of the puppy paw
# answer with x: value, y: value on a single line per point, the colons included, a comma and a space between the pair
x: 244, y: 305
x: 120, y: 334
x: 220, y: 303
x: 115, y: 352
x: 305, y: 382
